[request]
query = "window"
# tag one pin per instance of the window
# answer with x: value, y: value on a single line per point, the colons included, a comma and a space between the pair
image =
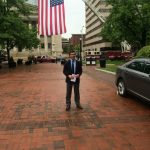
x: 147, y: 68
x: 42, y: 45
x: 138, y: 66
x: 49, y: 45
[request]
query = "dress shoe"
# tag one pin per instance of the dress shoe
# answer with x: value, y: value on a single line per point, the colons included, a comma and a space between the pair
x: 79, y: 107
x: 67, y: 107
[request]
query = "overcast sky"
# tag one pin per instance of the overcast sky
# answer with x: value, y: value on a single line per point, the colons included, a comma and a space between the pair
x: 75, y: 16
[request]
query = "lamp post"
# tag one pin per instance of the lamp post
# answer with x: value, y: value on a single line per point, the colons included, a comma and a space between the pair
x: 53, y: 49
x: 81, y: 44
x: 81, y: 51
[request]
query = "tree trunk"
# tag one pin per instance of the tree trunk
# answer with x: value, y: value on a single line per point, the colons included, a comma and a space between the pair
x: 8, y: 53
x: 8, y: 56
x: 143, y: 40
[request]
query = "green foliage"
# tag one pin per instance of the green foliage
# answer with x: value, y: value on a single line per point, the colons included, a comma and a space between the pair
x: 112, y: 65
x: 66, y: 49
x: 28, y: 39
x: 75, y: 47
x: 128, y: 20
x: 144, y: 52
x: 13, y: 31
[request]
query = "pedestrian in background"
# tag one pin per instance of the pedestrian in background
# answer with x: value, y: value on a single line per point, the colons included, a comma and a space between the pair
x: 72, y: 70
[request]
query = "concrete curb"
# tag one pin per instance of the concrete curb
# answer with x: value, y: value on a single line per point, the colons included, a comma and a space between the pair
x: 105, y: 71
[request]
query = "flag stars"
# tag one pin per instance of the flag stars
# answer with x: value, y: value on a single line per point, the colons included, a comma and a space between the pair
x: 56, y: 2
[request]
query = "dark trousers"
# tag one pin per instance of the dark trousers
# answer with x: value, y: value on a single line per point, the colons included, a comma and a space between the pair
x: 76, y: 93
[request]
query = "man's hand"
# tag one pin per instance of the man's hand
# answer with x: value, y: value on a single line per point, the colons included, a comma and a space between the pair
x: 71, y: 76
x: 77, y: 75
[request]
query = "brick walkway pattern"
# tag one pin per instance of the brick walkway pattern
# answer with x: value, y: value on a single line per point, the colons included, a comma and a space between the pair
x: 33, y: 116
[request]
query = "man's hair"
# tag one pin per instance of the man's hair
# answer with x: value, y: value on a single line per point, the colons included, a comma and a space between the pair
x: 72, y: 51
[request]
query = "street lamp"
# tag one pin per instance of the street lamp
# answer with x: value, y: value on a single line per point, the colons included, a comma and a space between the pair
x: 53, y: 49
x: 81, y: 44
x: 81, y: 51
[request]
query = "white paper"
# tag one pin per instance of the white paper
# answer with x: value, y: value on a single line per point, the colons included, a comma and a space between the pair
x: 73, y: 79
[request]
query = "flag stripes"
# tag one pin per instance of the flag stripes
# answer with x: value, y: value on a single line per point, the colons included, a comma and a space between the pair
x: 51, y: 18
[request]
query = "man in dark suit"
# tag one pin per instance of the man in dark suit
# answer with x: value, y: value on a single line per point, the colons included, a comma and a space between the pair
x: 72, y: 70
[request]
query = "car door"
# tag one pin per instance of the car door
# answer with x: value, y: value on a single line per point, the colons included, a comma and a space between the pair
x: 145, y: 82
x: 134, y: 77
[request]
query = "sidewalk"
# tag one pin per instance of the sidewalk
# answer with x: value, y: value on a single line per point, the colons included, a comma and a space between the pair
x: 33, y: 116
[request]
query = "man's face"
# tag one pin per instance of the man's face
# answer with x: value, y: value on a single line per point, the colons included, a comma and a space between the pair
x: 72, y: 55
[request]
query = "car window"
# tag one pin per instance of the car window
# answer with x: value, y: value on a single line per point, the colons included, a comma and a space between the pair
x: 137, y: 65
x: 147, y: 68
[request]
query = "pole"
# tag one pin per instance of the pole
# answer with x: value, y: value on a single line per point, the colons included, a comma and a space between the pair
x: 81, y: 51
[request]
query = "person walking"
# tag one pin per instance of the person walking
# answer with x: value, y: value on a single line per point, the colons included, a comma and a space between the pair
x: 72, y: 70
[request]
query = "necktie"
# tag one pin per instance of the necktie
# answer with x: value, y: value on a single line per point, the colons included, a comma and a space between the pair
x: 72, y: 68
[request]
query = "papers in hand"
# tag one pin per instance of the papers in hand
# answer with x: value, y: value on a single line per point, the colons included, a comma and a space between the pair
x: 73, y: 79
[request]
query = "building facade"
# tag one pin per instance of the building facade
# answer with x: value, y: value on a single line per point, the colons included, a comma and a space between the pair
x: 49, y: 45
x: 93, y: 41
x: 65, y: 43
x: 75, y: 39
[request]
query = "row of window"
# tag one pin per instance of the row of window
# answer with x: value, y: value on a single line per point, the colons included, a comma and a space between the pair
x: 88, y: 26
x: 43, y: 45
x: 93, y: 16
x: 140, y: 66
x: 92, y: 53
x: 105, y: 10
x: 93, y: 30
x: 94, y: 49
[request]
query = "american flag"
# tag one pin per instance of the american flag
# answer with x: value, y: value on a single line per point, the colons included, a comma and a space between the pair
x: 51, y: 17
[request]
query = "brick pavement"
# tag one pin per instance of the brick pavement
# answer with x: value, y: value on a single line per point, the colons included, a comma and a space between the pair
x: 33, y: 116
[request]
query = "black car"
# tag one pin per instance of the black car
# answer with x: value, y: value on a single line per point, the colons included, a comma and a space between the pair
x: 134, y: 77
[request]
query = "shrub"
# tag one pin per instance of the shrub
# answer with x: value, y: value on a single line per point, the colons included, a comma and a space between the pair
x: 144, y: 52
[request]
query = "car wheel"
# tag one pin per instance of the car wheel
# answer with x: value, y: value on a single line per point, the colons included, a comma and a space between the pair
x: 121, y: 89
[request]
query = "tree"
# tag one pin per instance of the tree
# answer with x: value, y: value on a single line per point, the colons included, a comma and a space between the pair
x: 13, y: 31
x: 128, y: 20
x: 66, y: 49
x: 29, y: 39
x: 144, y: 52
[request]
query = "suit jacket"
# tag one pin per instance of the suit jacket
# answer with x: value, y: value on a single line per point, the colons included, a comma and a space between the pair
x: 67, y: 70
